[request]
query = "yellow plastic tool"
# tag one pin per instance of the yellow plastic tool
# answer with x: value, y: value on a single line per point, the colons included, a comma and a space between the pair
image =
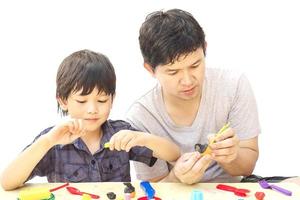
x: 208, y: 149
x: 34, y: 194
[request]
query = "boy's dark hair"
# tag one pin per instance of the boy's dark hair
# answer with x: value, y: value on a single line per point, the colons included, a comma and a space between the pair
x: 84, y: 70
x: 165, y: 36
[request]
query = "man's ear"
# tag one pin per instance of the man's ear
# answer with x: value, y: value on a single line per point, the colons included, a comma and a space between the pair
x: 149, y: 68
x: 62, y: 103
x: 205, y: 48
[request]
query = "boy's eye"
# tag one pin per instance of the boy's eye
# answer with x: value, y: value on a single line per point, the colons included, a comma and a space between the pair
x: 102, y: 101
x: 78, y: 101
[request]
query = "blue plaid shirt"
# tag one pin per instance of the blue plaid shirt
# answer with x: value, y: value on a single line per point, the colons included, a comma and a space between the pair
x: 74, y: 163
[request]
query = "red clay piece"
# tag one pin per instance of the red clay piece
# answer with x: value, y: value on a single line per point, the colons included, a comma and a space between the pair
x: 259, y: 195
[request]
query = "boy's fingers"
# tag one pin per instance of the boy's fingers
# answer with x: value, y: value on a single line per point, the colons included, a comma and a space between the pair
x: 130, y: 144
x: 70, y: 125
x: 112, y: 143
x: 80, y: 125
x: 126, y: 139
x: 118, y: 141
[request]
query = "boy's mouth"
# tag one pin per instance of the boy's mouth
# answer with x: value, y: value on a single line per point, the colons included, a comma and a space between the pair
x: 91, y: 119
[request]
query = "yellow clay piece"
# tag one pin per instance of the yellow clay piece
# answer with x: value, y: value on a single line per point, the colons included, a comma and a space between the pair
x: 106, y: 145
x: 86, y: 197
x: 34, y: 194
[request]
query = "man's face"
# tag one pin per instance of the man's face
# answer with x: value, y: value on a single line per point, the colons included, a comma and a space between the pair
x: 93, y: 108
x: 183, y: 79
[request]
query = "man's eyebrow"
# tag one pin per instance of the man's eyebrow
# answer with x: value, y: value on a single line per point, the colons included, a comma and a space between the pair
x: 193, y: 64
x: 196, y: 62
x: 168, y: 69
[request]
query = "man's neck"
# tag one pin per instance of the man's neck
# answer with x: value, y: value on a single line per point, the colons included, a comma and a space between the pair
x: 182, y: 112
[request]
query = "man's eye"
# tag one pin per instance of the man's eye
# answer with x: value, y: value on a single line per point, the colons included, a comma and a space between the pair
x: 172, y: 72
x: 102, y: 101
x: 80, y: 101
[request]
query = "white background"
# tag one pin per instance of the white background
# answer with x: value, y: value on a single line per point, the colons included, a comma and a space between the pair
x: 260, y: 38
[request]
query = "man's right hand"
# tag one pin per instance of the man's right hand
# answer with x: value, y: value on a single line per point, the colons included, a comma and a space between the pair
x: 190, y: 167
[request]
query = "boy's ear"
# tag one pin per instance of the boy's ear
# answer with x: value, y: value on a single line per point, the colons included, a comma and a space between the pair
x: 62, y: 103
x: 149, y: 68
x: 112, y: 100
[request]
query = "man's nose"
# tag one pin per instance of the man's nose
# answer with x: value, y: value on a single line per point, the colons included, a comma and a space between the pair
x: 187, y: 78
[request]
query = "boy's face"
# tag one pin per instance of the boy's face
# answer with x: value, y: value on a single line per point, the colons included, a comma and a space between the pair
x: 93, y: 108
x: 183, y: 79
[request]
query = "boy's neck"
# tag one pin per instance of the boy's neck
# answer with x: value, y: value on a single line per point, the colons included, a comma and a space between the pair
x: 92, y: 140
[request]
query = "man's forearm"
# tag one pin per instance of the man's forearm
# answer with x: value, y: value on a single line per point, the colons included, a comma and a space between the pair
x: 171, y: 177
x: 244, y: 164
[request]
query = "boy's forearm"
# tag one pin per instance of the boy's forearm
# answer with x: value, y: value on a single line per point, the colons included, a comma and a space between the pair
x: 19, y: 169
x: 162, y: 148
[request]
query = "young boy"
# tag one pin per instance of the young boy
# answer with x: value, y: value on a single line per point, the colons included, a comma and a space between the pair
x: 74, y: 151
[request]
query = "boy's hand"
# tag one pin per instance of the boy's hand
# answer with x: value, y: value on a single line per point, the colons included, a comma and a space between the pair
x: 126, y: 139
x: 226, y: 146
x: 66, y: 132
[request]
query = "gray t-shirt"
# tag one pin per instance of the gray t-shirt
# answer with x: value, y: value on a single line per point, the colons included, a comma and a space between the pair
x: 226, y: 97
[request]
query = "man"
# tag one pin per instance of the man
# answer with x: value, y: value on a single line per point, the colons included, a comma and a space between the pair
x: 191, y: 102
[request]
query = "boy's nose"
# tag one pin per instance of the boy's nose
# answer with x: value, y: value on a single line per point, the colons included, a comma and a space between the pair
x: 92, y: 109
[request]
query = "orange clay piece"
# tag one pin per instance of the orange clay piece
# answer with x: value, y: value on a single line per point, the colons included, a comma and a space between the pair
x: 218, y: 134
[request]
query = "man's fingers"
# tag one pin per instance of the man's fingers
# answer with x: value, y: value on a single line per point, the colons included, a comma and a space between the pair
x: 210, y: 137
x: 187, y: 163
x: 226, y: 134
x: 223, y: 152
x: 187, y: 156
x: 224, y: 159
x: 202, y: 164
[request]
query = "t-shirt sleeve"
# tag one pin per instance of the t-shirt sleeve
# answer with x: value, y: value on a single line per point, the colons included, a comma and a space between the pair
x: 243, y: 114
x: 45, y: 165
x: 136, y: 116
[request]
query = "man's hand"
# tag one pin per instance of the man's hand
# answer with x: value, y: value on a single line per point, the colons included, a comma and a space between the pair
x: 225, y: 148
x: 126, y: 139
x: 66, y: 132
x: 190, y: 167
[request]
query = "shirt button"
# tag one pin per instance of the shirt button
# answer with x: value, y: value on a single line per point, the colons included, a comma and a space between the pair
x: 93, y: 162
